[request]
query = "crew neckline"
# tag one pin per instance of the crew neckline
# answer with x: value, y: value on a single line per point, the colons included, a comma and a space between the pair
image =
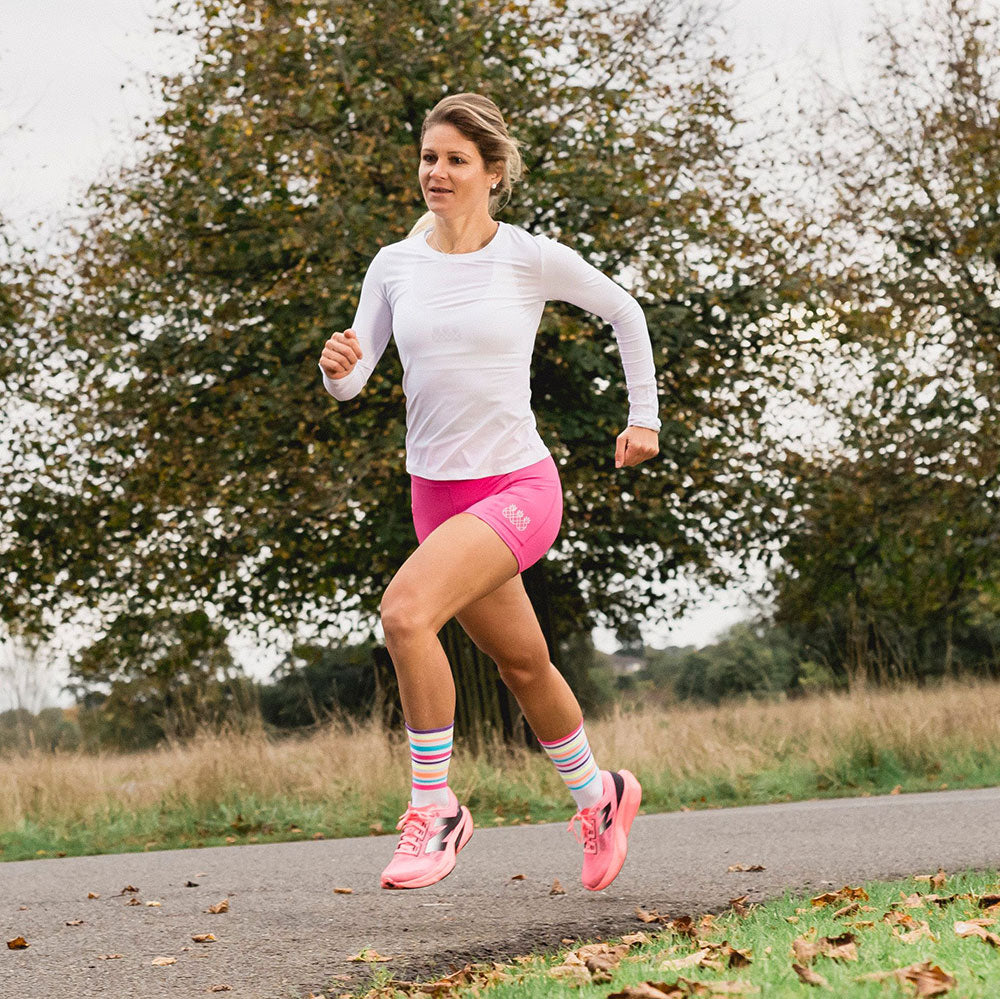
x: 470, y: 253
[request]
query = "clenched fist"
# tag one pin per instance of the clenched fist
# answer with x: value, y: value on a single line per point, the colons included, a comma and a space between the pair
x: 340, y: 353
x: 634, y: 445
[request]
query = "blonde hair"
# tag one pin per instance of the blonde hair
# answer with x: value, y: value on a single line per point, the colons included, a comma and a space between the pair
x: 481, y: 122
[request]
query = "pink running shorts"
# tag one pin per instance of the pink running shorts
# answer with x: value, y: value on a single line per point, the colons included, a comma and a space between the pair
x: 524, y: 506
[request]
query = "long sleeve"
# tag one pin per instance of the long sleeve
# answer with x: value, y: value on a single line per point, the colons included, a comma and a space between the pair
x: 373, y: 326
x: 567, y: 277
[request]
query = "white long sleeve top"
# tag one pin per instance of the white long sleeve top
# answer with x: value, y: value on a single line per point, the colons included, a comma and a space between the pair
x: 465, y: 327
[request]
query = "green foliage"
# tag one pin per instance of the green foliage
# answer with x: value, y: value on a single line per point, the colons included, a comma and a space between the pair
x: 889, y: 553
x: 315, y: 683
x: 159, y: 676
x: 51, y: 729
x: 751, y: 659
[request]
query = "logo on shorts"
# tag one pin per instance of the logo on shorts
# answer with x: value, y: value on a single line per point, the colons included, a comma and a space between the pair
x: 517, y: 517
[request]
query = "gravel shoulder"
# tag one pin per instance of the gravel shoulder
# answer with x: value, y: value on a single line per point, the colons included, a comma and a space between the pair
x: 287, y: 933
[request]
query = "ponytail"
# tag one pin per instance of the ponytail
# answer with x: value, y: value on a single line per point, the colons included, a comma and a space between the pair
x: 426, y: 221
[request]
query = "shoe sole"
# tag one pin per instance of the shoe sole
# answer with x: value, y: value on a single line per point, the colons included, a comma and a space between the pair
x: 432, y: 878
x: 628, y: 808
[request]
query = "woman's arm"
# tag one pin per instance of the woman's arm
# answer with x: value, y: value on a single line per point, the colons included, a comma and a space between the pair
x: 371, y: 330
x: 567, y: 277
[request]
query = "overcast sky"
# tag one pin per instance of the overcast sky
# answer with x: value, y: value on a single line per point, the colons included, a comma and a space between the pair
x: 74, y: 88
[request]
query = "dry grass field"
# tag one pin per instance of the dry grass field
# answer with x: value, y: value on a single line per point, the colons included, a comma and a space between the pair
x: 350, y: 780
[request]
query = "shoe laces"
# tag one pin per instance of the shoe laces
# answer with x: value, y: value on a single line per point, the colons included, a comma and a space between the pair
x: 587, y: 833
x: 414, y: 823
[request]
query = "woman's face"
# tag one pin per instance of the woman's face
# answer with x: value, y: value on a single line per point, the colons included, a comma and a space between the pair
x: 453, y: 177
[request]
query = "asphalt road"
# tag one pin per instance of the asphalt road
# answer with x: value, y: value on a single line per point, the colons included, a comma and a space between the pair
x: 287, y: 933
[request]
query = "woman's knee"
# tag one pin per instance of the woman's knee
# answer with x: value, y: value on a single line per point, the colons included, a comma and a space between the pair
x: 522, y: 667
x: 403, y: 614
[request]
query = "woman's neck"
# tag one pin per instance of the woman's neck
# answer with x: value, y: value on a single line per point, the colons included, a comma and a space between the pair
x: 462, y: 235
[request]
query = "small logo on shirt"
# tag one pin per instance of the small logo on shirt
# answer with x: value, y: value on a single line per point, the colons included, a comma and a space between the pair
x: 517, y: 517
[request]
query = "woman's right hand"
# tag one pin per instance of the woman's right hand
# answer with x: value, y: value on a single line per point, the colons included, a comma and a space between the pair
x: 340, y: 353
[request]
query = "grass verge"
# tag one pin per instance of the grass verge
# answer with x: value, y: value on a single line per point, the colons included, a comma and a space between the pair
x: 879, y: 941
x: 353, y: 780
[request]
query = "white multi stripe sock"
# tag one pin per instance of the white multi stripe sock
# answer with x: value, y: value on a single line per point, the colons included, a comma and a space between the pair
x: 430, y: 755
x: 577, y: 767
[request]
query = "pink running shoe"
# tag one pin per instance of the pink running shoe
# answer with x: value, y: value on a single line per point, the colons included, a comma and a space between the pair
x: 604, y: 829
x: 432, y: 837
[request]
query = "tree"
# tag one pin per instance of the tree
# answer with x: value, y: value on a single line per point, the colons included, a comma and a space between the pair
x: 893, y: 539
x: 208, y: 464
x: 158, y: 676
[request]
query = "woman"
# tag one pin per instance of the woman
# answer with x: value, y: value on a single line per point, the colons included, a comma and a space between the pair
x: 463, y: 296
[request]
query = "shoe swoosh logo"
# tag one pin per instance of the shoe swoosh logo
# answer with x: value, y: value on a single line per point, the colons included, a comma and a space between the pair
x: 448, y: 825
x: 605, y: 821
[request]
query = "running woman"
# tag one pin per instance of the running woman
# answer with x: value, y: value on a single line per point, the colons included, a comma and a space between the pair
x: 463, y: 295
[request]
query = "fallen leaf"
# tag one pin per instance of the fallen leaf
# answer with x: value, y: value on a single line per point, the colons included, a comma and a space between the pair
x: 133, y: 901
x: 343, y: 891
x: 162, y: 962
x: 129, y: 889
x: 557, y: 888
x: 939, y: 879
x: 154, y: 905
x: 740, y: 868
x: 735, y: 958
x: 18, y: 943
x: 230, y: 839
x: 74, y: 922
x: 110, y: 957
x: 848, y: 910
x: 791, y: 919
x: 897, y: 789
x: 517, y: 877
x: 203, y: 938
x: 93, y: 894
x: 846, y: 894
x: 975, y: 928
x: 842, y: 948
x: 684, y: 926
x: 649, y: 917
x: 650, y: 990
x: 714, y: 989
x: 369, y: 956
x: 921, y: 931
x: 736, y: 904
x: 805, y: 951
x: 929, y: 979
x: 190, y: 884
x: 914, y: 901
x: 691, y: 961
x: 810, y: 977
x: 574, y: 974
x: 221, y: 988
x: 988, y: 901
x: 318, y: 835
x: 864, y: 924
x: 639, y: 939
x: 222, y: 906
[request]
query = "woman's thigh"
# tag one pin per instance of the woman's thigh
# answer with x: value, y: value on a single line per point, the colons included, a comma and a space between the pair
x: 457, y: 564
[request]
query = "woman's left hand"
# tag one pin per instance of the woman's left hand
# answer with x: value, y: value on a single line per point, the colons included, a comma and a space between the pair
x: 636, y: 444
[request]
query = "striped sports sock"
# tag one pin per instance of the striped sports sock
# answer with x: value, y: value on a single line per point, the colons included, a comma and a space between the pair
x: 577, y: 767
x: 430, y: 754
